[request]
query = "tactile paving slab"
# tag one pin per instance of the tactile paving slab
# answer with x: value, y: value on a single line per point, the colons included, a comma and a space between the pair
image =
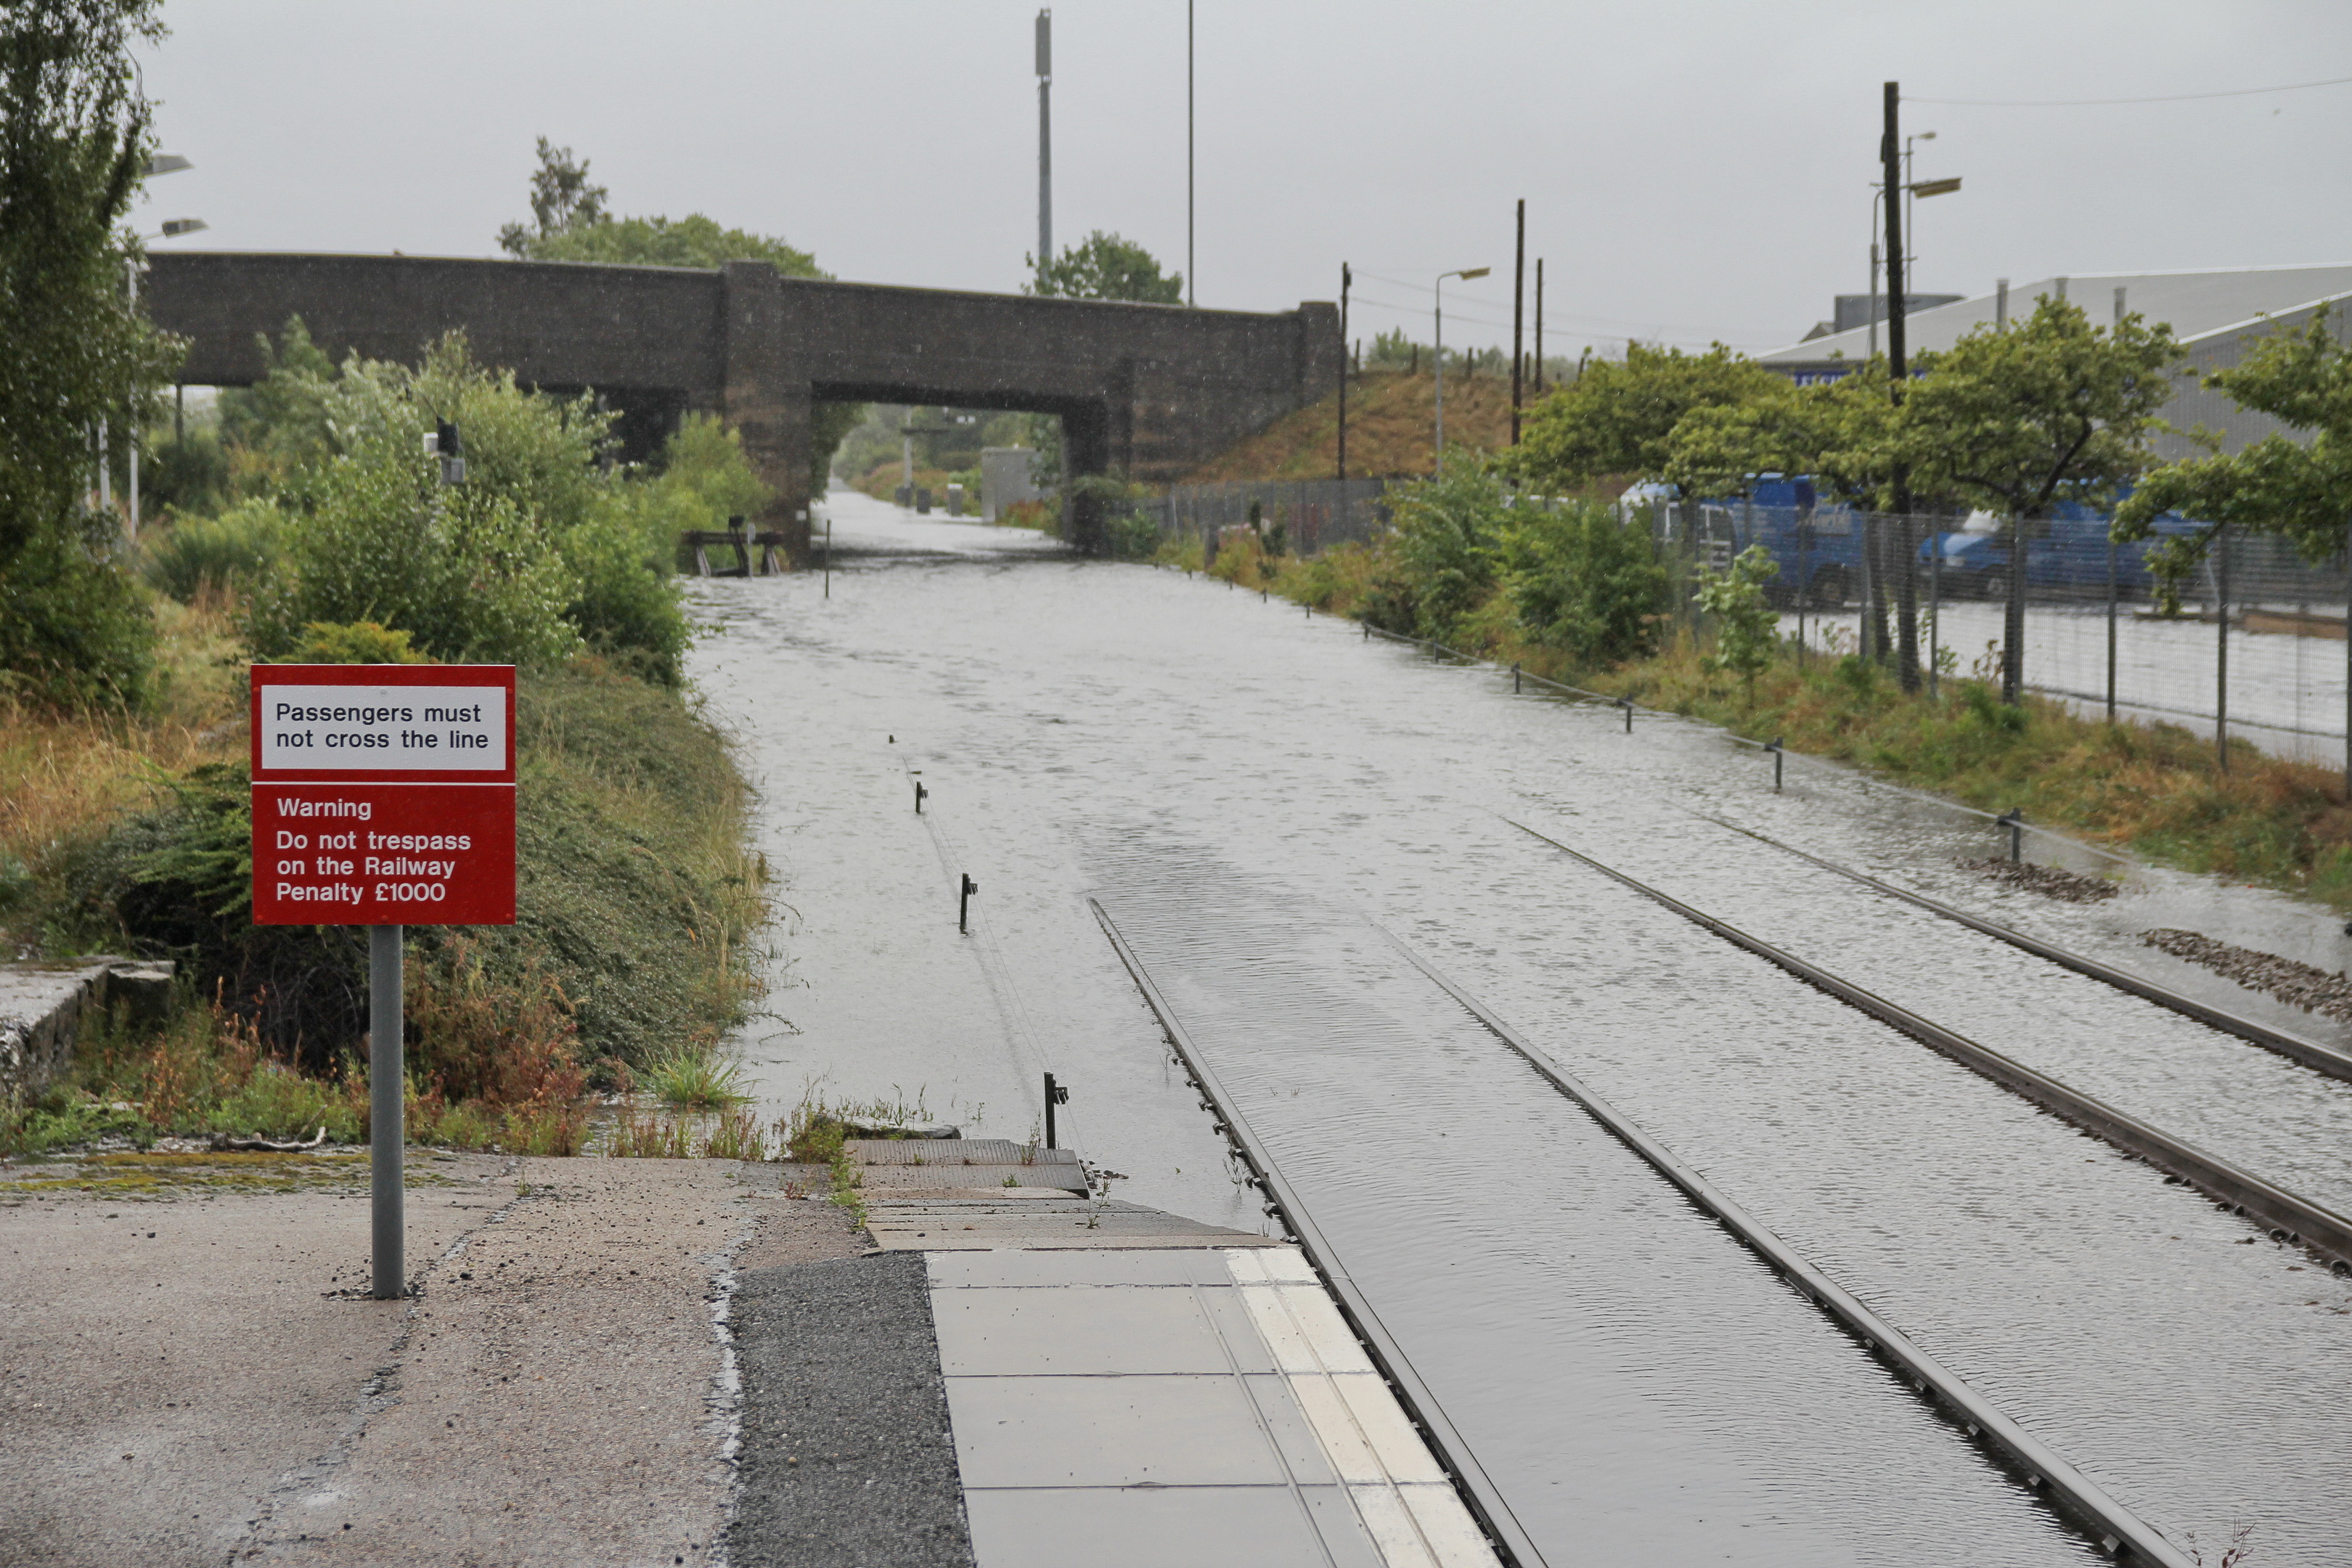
x: 953, y: 1225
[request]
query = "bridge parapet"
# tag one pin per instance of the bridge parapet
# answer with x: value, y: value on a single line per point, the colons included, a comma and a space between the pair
x: 1149, y: 390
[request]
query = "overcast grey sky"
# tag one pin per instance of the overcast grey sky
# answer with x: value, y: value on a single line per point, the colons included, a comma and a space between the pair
x: 1693, y: 169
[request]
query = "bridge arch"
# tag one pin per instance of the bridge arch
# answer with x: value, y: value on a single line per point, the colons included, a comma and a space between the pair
x: 1149, y: 391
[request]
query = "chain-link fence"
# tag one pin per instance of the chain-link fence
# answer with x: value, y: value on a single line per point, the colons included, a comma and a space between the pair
x: 1312, y: 515
x: 2257, y: 648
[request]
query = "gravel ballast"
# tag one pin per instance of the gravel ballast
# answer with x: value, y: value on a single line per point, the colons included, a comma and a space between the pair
x: 848, y: 1458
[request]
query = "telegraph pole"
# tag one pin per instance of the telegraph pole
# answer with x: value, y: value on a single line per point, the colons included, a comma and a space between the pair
x: 1044, y: 139
x: 1906, y: 621
x: 1518, y: 312
x: 1347, y: 279
x: 1191, y: 267
x: 1539, y: 326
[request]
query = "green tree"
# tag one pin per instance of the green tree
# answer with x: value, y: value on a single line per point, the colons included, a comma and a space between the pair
x: 74, y: 354
x: 1720, y: 448
x: 1584, y: 581
x: 1618, y: 417
x: 1747, y: 626
x: 541, y: 551
x: 2297, y: 491
x: 574, y: 225
x: 2019, y: 417
x: 561, y: 200
x: 1105, y: 266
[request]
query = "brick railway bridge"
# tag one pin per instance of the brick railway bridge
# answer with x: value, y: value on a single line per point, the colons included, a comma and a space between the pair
x: 1148, y: 391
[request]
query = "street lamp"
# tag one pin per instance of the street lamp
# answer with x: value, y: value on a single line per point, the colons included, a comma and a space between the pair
x: 1465, y: 274
x: 157, y: 164
x: 1914, y: 189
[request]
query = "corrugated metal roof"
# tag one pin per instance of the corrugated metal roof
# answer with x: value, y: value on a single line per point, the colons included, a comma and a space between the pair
x: 2195, y: 304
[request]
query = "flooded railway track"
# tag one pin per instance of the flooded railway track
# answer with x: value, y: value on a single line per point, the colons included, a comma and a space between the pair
x: 2114, y: 1529
x: 2291, y: 1217
x: 2311, y: 1054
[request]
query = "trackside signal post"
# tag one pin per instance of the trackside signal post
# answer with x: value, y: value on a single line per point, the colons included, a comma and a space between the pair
x: 383, y: 795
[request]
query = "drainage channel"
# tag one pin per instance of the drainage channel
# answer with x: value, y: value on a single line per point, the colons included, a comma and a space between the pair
x: 2081, y: 1502
x: 2308, y: 1053
x: 2291, y: 1218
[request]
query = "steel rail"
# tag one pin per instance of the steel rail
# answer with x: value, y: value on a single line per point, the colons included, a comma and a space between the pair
x: 2293, y: 1218
x: 2309, y: 1053
x: 1478, y: 1490
x: 2115, y: 1528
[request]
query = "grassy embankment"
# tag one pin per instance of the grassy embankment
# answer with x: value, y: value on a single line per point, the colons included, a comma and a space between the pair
x: 2152, y: 789
x: 636, y: 900
x: 1391, y: 429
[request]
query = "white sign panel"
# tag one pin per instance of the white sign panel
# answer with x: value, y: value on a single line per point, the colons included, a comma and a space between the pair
x: 384, y: 729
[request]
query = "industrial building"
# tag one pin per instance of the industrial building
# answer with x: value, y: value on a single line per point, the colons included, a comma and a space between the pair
x: 2213, y: 314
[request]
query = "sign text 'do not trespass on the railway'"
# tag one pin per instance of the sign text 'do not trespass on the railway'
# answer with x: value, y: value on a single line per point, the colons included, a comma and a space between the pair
x: 383, y: 795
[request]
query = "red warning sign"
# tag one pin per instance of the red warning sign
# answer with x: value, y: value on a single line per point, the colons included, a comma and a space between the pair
x: 383, y: 795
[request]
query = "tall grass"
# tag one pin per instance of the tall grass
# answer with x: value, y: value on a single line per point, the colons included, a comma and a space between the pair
x: 65, y: 779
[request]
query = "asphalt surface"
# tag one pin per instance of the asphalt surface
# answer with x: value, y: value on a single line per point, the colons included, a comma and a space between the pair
x: 190, y: 1373
x: 847, y: 1460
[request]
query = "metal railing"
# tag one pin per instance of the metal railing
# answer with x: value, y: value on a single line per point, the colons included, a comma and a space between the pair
x: 2255, y: 651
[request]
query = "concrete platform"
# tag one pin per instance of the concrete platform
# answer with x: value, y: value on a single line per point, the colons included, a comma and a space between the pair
x: 943, y: 1221
x: 1179, y: 1406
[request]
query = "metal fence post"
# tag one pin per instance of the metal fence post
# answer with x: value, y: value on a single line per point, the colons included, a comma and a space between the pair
x: 1935, y: 611
x: 387, y: 1132
x: 2112, y: 591
x: 1866, y: 641
x: 2221, y: 652
x: 1804, y: 579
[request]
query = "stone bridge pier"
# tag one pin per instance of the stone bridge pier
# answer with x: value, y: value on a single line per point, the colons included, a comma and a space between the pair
x: 1145, y: 391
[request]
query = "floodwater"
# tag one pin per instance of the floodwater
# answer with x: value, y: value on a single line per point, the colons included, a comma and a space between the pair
x: 1261, y: 801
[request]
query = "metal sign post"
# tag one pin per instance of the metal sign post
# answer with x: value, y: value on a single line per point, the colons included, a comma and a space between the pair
x: 383, y: 795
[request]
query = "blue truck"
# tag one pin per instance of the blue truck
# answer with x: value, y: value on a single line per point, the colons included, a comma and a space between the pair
x: 1817, y: 546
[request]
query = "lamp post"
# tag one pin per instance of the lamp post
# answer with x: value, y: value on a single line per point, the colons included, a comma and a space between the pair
x: 172, y: 229
x: 1438, y: 356
x: 1044, y: 139
x: 157, y: 164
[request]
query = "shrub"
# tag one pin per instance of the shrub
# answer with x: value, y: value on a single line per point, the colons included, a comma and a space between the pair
x: 463, y: 570
x: 362, y: 642
x: 1131, y: 536
x: 1747, y: 626
x: 1587, y: 583
x: 503, y: 1040
x: 186, y: 476
x: 241, y: 547
x: 76, y: 629
x: 623, y: 602
x: 1441, y: 557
